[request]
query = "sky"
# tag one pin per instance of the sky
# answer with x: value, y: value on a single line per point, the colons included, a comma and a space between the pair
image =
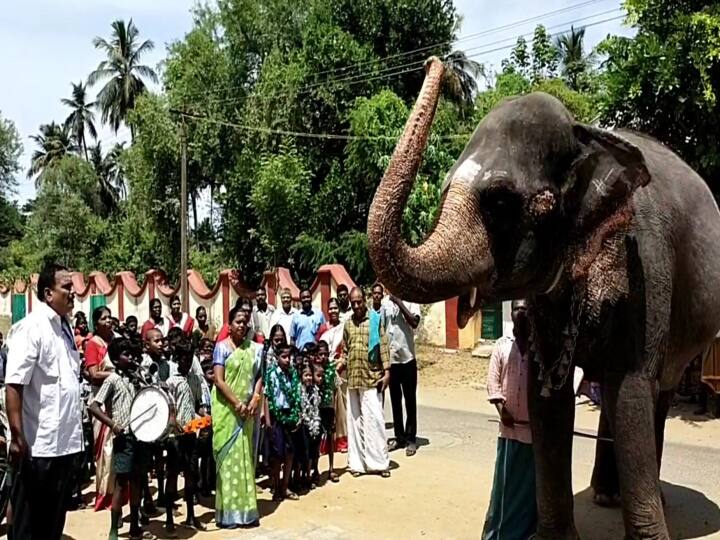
x: 47, y: 44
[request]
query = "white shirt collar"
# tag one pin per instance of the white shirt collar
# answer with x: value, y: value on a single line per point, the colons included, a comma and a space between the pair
x: 51, y: 314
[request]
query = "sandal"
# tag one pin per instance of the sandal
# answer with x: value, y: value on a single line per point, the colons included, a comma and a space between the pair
x: 355, y: 474
x: 292, y: 496
x: 142, y: 535
x: 385, y: 474
x: 395, y: 444
x: 334, y: 478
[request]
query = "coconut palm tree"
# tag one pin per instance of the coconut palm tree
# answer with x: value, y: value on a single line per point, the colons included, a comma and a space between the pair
x: 81, y: 116
x: 123, y: 68
x: 461, y: 79
x: 115, y: 170
x: 55, y: 143
x: 111, y: 184
x: 575, y: 63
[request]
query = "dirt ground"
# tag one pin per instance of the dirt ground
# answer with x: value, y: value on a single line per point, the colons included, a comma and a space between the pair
x: 451, y: 369
x: 443, y: 491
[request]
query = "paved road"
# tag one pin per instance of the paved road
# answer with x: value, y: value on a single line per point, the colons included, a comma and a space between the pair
x: 690, y: 474
x: 443, y: 492
x: 691, y: 480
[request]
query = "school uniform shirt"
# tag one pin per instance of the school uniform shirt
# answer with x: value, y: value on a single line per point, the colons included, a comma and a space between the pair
x: 261, y: 319
x: 305, y: 325
x: 283, y: 319
x: 278, y: 397
x: 507, y: 381
x: 43, y: 358
x: 188, y: 394
x: 401, y: 336
x: 121, y: 392
x: 168, y: 368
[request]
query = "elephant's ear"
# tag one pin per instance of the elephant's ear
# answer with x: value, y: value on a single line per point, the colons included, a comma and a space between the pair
x: 604, y: 178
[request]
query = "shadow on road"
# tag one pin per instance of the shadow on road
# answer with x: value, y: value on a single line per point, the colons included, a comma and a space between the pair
x: 685, y: 411
x: 689, y: 513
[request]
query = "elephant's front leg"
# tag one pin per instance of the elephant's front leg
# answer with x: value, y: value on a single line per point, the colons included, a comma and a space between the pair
x: 552, y: 420
x: 633, y: 409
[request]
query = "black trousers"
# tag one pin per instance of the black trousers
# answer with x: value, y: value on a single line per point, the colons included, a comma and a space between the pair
x: 207, y: 464
x: 41, y: 487
x: 403, y: 384
x: 182, y: 457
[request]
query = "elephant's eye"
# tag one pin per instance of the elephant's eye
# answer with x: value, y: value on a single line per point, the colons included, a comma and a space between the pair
x: 501, y: 206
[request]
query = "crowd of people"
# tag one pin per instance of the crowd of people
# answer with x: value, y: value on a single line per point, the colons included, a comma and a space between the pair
x: 282, y: 386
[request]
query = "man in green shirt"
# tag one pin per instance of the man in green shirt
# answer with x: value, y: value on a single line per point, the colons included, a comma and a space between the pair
x: 368, y: 370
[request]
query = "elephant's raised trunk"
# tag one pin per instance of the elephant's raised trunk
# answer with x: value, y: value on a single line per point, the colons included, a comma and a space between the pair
x: 455, y: 256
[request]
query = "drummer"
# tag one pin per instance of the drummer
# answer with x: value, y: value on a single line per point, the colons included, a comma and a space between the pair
x: 128, y: 461
x: 154, y: 359
x: 186, y: 388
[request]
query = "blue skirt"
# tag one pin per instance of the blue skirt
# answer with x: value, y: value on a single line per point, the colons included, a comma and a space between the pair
x: 513, y: 509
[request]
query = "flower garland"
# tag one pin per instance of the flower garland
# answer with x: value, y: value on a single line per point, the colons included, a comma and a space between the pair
x: 328, y: 385
x: 310, y: 410
x: 290, y: 389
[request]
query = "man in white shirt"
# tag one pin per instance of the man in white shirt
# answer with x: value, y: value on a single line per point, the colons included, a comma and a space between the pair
x: 44, y: 411
x: 401, y: 320
x: 262, y: 313
x: 284, y: 316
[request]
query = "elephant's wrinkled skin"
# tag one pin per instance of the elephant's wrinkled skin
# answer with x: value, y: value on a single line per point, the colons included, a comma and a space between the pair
x: 610, y: 230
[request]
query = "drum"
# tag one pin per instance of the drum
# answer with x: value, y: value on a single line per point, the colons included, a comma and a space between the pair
x: 152, y: 414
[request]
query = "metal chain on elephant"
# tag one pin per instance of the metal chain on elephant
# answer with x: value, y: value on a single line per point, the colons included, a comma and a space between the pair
x: 555, y: 377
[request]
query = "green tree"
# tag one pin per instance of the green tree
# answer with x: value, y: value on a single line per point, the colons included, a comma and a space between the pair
x: 81, y: 116
x: 461, y: 77
x: 392, y: 27
x: 519, y: 60
x: 10, y: 151
x: 122, y: 66
x: 12, y: 224
x: 665, y: 81
x: 194, y: 65
x: 544, y: 55
x: 64, y: 225
x: 54, y: 142
x: 152, y: 170
x: 575, y: 62
x: 280, y: 199
x: 108, y: 177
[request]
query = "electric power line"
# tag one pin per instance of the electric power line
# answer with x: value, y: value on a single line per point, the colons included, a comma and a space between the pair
x: 338, y: 136
x: 270, y: 131
x: 413, y: 66
x: 413, y: 52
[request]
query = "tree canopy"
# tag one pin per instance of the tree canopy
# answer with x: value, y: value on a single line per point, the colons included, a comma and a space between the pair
x: 291, y: 111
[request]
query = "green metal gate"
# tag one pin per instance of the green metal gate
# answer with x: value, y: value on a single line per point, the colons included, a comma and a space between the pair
x: 19, y: 307
x: 491, y: 321
x: 96, y: 300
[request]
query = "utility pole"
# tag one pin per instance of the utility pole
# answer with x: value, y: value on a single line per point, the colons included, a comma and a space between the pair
x: 183, y: 220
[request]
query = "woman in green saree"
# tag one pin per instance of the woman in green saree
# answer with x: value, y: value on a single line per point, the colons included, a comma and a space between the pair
x: 236, y: 396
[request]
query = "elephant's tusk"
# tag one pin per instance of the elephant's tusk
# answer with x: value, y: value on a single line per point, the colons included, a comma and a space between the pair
x: 575, y: 433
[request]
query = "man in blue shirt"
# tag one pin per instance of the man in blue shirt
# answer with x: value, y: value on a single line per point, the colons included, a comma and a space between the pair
x: 306, y: 322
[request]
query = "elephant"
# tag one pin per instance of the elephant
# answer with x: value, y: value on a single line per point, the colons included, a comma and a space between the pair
x: 611, y: 237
